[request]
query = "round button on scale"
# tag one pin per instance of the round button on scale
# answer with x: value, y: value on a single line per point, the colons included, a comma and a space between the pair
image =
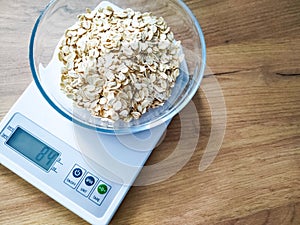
x: 77, y: 172
x: 89, y: 180
x: 102, y: 189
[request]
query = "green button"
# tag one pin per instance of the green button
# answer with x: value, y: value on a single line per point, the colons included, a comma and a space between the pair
x: 102, y: 189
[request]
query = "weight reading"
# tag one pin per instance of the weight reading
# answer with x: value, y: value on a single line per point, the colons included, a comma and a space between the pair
x: 32, y: 149
x: 48, y: 153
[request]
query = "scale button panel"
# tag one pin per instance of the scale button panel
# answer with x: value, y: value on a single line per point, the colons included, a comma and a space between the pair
x: 100, y: 192
x: 87, y: 184
x: 75, y: 175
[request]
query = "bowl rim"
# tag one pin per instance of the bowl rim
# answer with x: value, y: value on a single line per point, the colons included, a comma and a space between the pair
x: 165, y: 118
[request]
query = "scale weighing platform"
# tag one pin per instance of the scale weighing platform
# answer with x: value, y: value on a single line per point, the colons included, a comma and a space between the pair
x: 87, y: 172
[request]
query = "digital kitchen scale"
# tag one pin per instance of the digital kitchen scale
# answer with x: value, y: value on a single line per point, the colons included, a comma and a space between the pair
x: 41, y: 146
x: 87, y: 171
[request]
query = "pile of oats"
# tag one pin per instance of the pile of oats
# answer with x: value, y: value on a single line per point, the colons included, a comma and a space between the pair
x: 119, y: 64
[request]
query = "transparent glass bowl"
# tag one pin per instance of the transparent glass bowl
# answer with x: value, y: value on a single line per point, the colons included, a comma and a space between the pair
x: 45, y: 67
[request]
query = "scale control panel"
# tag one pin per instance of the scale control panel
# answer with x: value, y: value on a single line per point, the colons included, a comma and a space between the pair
x: 54, y: 167
x: 87, y: 184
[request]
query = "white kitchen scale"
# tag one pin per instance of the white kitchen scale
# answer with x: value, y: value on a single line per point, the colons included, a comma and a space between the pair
x: 41, y: 146
x: 86, y: 171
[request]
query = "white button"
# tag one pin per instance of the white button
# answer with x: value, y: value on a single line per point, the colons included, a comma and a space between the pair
x: 87, y: 184
x: 100, y: 192
x: 74, y: 176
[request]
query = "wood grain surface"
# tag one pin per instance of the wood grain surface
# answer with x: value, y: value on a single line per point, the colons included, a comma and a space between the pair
x: 253, y: 51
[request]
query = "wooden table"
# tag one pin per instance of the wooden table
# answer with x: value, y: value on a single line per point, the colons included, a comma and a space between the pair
x: 253, y: 51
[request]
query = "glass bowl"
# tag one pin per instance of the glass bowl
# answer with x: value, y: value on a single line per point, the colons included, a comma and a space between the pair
x: 45, y: 66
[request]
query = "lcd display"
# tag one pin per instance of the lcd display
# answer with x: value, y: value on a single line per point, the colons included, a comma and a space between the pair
x: 32, y: 148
